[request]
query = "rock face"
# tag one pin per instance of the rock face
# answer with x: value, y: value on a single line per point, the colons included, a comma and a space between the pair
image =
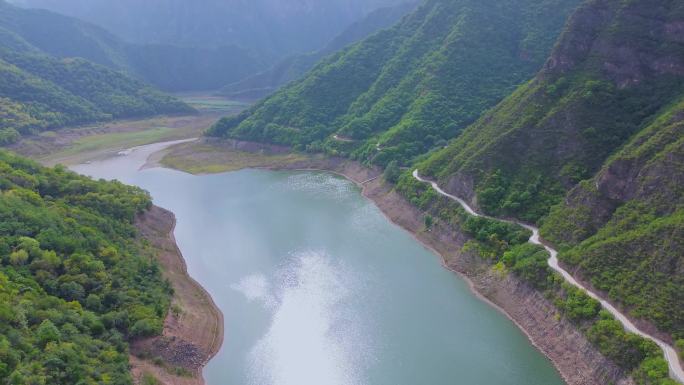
x: 174, y: 351
x: 629, y: 56
x: 622, y: 229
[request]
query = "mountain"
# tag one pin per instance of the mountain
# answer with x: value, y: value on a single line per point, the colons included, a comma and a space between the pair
x: 623, y: 229
x: 76, y: 280
x: 169, y: 67
x: 175, y: 69
x: 294, y: 67
x: 410, y: 88
x: 615, y: 68
x: 271, y: 29
x: 40, y: 92
x: 592, y: 148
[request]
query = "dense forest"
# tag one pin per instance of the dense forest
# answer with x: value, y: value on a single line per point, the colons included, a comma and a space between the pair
x: 40, y: 93
x: 411, y: 88
x: 624, y: 228
x: 76, y: 283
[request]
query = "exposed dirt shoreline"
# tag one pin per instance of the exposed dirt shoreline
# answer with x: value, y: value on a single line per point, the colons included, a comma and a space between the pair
x: 576, y: 359
x: 193, y: 329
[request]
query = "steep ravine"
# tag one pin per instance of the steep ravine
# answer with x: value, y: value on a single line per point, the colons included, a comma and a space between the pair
x: 676, y: 371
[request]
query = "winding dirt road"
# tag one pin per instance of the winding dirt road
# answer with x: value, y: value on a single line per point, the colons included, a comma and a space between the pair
x: 670, y: 354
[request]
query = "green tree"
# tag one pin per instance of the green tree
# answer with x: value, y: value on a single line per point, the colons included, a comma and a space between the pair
x: 428, y: 221
x: 19, y: 257
x: 392, y: 172
x: 47, y: 332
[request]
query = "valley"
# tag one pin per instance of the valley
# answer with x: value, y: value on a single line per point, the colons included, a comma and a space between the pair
x: 81, y: 144
x: 258, y: 281
x: 282, y: 192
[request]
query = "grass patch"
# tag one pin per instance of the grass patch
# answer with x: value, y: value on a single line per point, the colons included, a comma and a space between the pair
x: 149, y: 379
x: 115, y: 141
x: 214, y: 104
x: 197, y: 158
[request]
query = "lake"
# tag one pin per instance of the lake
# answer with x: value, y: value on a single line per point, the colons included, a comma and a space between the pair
x: 319, y: 288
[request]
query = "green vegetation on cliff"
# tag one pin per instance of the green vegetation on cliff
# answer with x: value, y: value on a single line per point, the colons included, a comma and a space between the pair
x: 624, y: 229
x: 616, y: 66
x: 505, y: 246
x: 409, y: 89
x: 75, y: 281
x: 601, y: 124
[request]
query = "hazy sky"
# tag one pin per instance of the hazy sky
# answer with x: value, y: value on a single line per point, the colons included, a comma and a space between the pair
x: 268, y: 27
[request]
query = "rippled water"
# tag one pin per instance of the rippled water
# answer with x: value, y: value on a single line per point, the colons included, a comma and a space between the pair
x: 319, y: 288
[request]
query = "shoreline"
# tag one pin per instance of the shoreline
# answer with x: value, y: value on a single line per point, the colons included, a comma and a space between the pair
x: 193, y: 329
x: 575, y: 359
x: 553, y: 262
x: 463, y: 273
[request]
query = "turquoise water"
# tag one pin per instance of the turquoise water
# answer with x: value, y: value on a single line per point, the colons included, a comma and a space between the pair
x: 319, y: 288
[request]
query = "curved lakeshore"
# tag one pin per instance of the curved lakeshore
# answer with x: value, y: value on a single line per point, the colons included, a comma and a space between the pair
x: 670, y: 354
x: 193, y: 329
x: 440, y: 350
x: 578, y: 361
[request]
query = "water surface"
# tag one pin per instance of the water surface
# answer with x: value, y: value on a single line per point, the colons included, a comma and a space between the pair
x: 319, y: 288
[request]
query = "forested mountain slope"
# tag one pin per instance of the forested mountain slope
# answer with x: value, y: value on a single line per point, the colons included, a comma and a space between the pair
x: 75, y: 281
x: 602, y: 120
x: 167, y: 66
x: 617, y: 65
x: 38, y: 92
x: 294, y: 67
x: 408, y: 89
x: 624, y: 229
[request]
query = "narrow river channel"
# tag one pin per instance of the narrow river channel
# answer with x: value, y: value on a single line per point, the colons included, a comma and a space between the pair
x: 319, y: 288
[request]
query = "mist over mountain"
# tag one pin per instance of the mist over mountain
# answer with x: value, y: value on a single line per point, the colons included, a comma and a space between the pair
x: 167, y: 66
x: 270, y: 28
x: 295, y: 66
